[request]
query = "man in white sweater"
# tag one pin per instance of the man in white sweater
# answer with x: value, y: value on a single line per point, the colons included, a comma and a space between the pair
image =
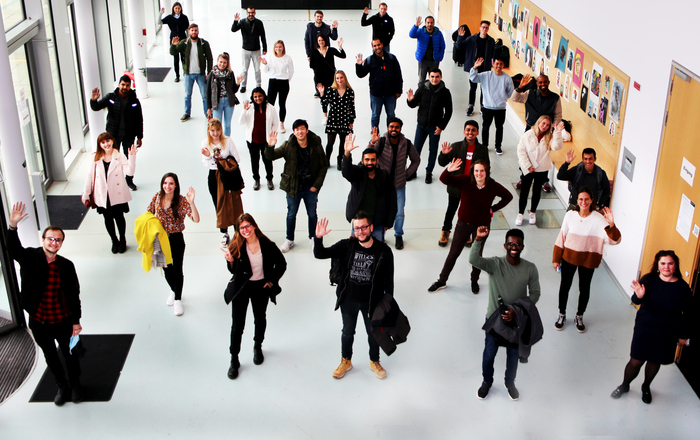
x: 496, y: 88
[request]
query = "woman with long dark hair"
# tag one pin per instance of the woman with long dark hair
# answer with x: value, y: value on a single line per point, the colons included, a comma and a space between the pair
x: 257, y: 266
x: 171, y: 208
x: 662, y: 321
x: 579, y: 247
x: 178, y: 24
x: 340, y: 100
x: 259, y: 120
x: 222, y: 86
x: 281, y: 69
x: 323, y: 65
x: 106, y: 181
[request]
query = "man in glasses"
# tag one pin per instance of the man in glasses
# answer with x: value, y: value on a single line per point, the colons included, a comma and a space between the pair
x: 367, y: 274
x: 252, y: 34
x: 50, y: 293
x: 510, y: 279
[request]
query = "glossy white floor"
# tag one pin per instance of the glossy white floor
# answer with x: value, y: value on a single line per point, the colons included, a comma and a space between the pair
x: 174, y: 382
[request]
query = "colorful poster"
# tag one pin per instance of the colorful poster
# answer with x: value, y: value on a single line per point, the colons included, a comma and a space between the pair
x: 543, y: 37
x: 584, y: 98
x: 518, y: 43
x: 578, y: 68
x: 570, y: 61
x: 561, y: 54
x: 557, y: 83
x: 586, y: 78
x: 536, y: 32
x: 596, y: 82
x: 516, y: 13
x: 592, y: 108
x: 607, y: 85
x: 526, y: 22
x: 567, y: 84
x: 611, y: 129
x: 574, y: 94
x: 618, y: 91
x: 538, y: 66
x: 550, y: 44
x: 603, y: 112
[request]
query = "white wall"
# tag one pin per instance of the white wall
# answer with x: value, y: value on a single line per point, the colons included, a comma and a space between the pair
x: 642, y: 39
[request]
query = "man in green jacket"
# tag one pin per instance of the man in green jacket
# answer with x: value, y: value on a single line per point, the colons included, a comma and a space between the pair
x: 196, y: 65
x: 305, y: 166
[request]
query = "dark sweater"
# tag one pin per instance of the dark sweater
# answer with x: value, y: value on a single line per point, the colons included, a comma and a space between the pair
x: 133, y: 117
x: 384, y: 74
x: 475, y: 204
x: 434, y: 104
x: 382, y: 27
x: 252, y: 33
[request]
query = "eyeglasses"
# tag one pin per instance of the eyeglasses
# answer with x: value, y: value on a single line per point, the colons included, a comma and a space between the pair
x: 360, y: 228
x: 243, y: 227
x: 54, y: 239
x: 515, y: 245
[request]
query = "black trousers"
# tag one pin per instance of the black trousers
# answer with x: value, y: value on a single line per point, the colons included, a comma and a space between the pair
x: 463, y: 232
x: 125, y: 143
x: 585, y: 275
x: 44, y: 336
x: 258, y: 297
x: 257, y: 150
x: 452, y: 206
x: 539, y: 177
x: 489, y: 116
x: 281, y: 87
x: 173, y: 272
x: 472, y: 94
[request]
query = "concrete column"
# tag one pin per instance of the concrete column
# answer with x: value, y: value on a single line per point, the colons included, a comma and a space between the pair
x: 188, y: 9
x: 89, y: 64
x: 137, y: 31
x: 12, y: 150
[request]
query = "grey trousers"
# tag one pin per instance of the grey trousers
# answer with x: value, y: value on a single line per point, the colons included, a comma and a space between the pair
x: 247, y: 57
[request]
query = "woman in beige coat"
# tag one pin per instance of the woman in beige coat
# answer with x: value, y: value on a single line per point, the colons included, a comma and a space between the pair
x: 106, y: 181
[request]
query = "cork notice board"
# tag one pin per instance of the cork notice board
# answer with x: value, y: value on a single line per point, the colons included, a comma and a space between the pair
x: 593, y: 91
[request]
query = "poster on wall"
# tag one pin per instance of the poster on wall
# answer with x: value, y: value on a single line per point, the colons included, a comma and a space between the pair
x: 549, y: 44
x: 591, y: 107
x: 607, y: 85
x: 518, y: 43
x: 528, y: 55
x: 510, y: 8
x: 557, y: 82
x: 536, y: 32
x: 603, y: 112
x: 586, y: 78
x: 578, y: 68
x: 570, y: 61
x: 567, y: 85
x: 561, y: 54
x: 526, y: 21
x: 516, y: 13
x: 543, y: 37
x: 611, y: 129
x: 538, y: 67
x: 618, y: 91
x: 574, y: 94
x: 596, y: 82
x: 497, y: 7
x: 584, y: 98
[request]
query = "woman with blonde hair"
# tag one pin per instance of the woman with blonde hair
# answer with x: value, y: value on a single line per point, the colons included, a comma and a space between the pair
x: 106, y: 181
x: 281, y: 70
x: 257, y: 266
x: 222, y: 86
x: 220, y: 153
x: 340, y: 100
x: 535, y: 162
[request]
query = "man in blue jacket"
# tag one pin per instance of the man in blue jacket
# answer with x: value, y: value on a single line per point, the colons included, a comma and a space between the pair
x: 385, y: 80
x: 431, y: 46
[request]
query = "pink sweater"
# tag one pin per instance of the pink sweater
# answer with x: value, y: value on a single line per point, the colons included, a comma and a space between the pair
x: 581, y: 240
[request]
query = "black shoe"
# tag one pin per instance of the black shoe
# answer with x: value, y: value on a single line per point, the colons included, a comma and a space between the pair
x: 317, y: 95
x: 411, y: 177
x: 340, y: 163
x: 513, y: 392
x: 428, y: 178
x: 469, y: 243
x: 619, y: 391
x: 258, y: 357
x: 646, y: 394
x: 185, y: 118
x: 233, y: 369
x: 437, y: 285
x: 399, y: 243
x: 177, y: 79
x: 61, y: 395
x: 256, y: 186
x: 242, y: 89
x: 77, y: 394
x: 130, y: 183
x: 115, y: 246
x: 499, y: 152
x: 483, y: 390
x: 270, y: 185
x: 470, y: 110
x: 475, y: 287
x: 122, y: 245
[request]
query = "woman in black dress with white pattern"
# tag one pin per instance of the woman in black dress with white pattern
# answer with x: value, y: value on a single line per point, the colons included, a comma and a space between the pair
x: 340, y: 99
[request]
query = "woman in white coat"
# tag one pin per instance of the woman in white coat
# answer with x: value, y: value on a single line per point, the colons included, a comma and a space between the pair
x: 259, y: 120
x: 535, y: 163
x: 107, y: 182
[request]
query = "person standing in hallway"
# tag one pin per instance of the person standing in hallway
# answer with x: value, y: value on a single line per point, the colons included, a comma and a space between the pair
x: 124, y: 118
x: 538, y: 102
x: 430, y: 49
x: 496, y: 88
x: 585, y: 173
x: 196, y: 66
x: 385, y: 80
x: 178, y: 24
x: 259, y: 120
x: 476, y: 46
x: 382, y: 25
x: 313, y: 30
x: 50, y: 293
x: 281, y: 70
x: 222, y: 86
x: 253, y: 34
x: 340, y: 100
x: 323, y: 65
x: 107, y: 184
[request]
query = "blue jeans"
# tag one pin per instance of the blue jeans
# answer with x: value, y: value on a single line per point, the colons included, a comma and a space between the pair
x: 490, y: 350
x: 376, y: 102
x: 310, y: 200
x: 377, y: 232
x: 423, y: 132
x: 400, y: 204
x: 201, y: 81
x: 349, y: 309
x: 224, y: 114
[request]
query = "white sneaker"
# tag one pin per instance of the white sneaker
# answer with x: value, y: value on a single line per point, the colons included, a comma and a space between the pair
x: 324, y: 121
x: 171, y: 299
x: 312, y: 244
x: 286, y: 246
x: 225, y: 240
x: 178, y: 309
x: 533, y: 218
x: 282, y: 129
x: 519, y: 220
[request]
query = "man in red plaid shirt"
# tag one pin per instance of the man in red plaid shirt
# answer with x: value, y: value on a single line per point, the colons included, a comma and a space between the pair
x: 50, y: 293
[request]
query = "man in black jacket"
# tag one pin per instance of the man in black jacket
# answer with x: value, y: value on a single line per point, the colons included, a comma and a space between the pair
x: 50, y: 294
x: 385, y: 80
x: 586, y: 173
x: 382, y: 25
x: 124, y: 117
x: 434, y: 102
x: 253, y: 33
x: 476, y: 46
x: 313, y: 30
x: 372, y: 190
x: 367, y: 267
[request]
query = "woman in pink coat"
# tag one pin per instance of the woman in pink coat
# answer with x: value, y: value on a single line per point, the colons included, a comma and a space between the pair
x: 106, y: 181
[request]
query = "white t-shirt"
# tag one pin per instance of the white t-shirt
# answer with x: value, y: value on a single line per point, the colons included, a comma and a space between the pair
x: 194, y: 59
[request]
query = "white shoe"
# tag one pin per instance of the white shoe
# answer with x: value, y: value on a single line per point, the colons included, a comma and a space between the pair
x: 171, y: 299
x: 533, y: 218
x: 286, y: 246
x: 282, y: 130
x: 225, y: 240
x: 324, y: 121
x: 178, y: 309
x: 519, y: 220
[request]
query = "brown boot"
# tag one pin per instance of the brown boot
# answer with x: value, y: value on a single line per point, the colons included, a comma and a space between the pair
x: 443, y: 238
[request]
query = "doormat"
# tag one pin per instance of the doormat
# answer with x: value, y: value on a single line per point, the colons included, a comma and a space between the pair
x: 17, y: 355
x: 157, y: 74
x: 67, y: 212
x: 101, y: 366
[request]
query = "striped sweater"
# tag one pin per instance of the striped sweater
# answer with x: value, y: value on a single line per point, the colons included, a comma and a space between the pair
x: 581, y: 240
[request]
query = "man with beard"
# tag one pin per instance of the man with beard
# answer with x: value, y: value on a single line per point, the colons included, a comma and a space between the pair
x: 510, y: 278
x: 382, y: 25
x: 392, y: 150
x: 367, y: 275
x: 385, y: 80
x: 197, y: 64
x: 372, y: 190
x: 252, y: 33
x: 539, y: 102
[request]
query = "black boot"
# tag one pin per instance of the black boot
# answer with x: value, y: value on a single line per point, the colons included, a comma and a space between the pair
x: 115, y: 245
x: 233, y: 369
x: 77, y: 394
x: 130, y: 183
x: 122, y: 245
x: 340, y: 163
x: 62, y: 395
x: 258, y: 357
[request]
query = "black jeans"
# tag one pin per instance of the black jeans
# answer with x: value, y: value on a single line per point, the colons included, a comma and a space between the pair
x: 452, y: 206
x: 539, y: 177
x: 472, y: 94
x: 177, y: 58
x: 499, y: 116
x: 257, y: 150
x: 111, y: 217
x: 349, y: 309
x: 281, y: 86
x: 331, y: 142
x: 463, y: 232
x: 585, y: 275
x: 125, y: 143
x: 258, y: 297
x: 173, y: 272
x: 45, y: 335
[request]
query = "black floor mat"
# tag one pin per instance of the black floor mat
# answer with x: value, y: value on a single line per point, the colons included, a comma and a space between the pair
x: 157, y: 74
x: 67, y: 212
x: 17, y: 354
x: 101, y: 367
